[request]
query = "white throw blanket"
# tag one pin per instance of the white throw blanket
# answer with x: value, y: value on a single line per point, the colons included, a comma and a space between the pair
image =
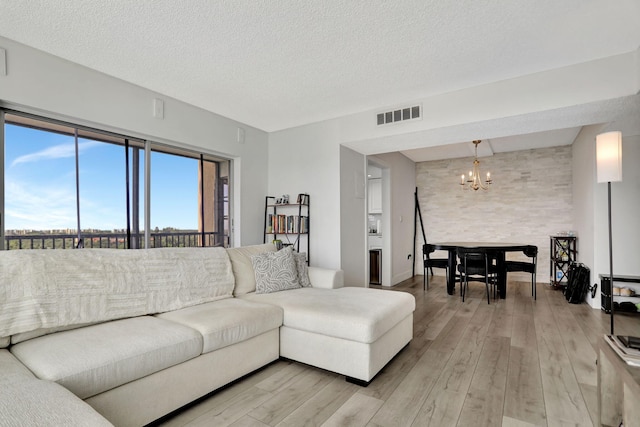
x: 55, y: 288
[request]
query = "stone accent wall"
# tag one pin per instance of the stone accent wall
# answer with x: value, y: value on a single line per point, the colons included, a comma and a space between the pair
x: 529, y: 200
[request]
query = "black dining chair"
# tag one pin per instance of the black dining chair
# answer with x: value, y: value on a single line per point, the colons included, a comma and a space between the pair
x: 526, y: 267
x: 477, y: 265
x: 429, y: 263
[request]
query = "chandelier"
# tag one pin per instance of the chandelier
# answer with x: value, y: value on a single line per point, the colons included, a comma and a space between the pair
x: 474, y: 181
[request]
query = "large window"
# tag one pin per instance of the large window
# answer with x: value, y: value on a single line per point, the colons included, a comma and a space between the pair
x: 66, y: 186
x: 40, y: 181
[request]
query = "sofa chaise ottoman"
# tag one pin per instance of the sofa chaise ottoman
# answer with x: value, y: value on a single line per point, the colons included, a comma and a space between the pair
x: 352, y: 331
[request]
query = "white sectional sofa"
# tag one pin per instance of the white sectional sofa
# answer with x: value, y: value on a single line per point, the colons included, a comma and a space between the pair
x: 100, y: 336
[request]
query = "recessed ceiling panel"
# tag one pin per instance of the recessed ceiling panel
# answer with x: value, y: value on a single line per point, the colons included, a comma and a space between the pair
x: 487, y: 147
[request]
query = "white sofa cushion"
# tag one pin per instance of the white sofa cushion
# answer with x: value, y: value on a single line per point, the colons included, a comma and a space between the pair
x: 355, y: 314
x: 28, y: 401
x: 12, y: 370
x: 226, y: 322
x: 24, y: 336
x: 326, y: 278
x: 42, y: 403
x: 245, y: 279
x: 94, y: 359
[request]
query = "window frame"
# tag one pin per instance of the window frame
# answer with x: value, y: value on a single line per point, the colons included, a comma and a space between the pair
x: 88, y: 132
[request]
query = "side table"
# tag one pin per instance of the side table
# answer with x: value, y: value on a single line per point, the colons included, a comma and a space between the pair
x: 618, y: 389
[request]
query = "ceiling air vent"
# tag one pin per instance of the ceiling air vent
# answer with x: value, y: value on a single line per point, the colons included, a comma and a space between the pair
x: 399, y: 115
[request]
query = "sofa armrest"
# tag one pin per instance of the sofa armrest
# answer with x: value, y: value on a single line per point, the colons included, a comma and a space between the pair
x: 326, y: 278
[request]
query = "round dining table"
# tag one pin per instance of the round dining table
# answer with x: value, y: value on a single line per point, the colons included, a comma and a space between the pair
x: 498, y: 248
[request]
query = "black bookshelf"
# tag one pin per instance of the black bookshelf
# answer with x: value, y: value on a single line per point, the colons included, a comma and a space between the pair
x: 288, y: 222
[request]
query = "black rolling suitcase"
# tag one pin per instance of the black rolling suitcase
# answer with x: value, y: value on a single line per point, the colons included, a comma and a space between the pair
x: 578, y: 283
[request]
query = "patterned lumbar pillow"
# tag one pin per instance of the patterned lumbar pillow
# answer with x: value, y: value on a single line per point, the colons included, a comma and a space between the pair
x: 303, y: 271
x: 275, y: 271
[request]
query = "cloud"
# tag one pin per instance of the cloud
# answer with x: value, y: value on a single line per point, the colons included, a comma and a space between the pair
x: 52, y: 205
x: 60, y: 151
x: 46, y: 207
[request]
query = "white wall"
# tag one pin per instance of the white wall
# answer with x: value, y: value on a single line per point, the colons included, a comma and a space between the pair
x: 44, y: 84
x: 625, y: 205
x: 311, y: 159
x: 590, y: 203
x: 307, y: 160
x: 397, y: 266
x: 353, y: 220
x: 584, y: 178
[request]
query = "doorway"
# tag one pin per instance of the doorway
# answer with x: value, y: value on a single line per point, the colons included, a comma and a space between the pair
x: 378, y: 232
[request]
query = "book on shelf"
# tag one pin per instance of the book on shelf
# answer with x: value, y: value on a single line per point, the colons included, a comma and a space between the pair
x: 303, y: 199
x: 619, y: 344
x: 287, y: 224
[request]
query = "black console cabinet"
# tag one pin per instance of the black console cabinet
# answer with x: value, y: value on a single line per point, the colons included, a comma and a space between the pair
x: 606, y: 293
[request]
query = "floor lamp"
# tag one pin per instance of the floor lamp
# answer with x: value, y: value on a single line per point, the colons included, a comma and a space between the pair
x: 609, y: 169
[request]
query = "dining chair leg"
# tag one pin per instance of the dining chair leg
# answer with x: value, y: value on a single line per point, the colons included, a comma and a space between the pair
x: 486, y: 283
x: 533, y: 289
x: 486, y: 278
x: 462, y: 287
x: 464, y: 290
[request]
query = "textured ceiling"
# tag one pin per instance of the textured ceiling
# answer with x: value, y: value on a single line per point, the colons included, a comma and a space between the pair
x: 283, y: 63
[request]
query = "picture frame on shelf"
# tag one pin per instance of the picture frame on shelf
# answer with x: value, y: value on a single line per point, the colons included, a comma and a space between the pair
x: 283, y: 200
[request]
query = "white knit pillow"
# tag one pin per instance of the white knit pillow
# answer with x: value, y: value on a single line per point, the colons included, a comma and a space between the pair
x: 275, y: 271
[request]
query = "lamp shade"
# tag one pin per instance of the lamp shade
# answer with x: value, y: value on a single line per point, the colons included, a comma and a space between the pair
x: 609, y: 156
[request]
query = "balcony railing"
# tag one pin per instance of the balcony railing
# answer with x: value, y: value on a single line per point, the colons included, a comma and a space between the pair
x: 115, y: 240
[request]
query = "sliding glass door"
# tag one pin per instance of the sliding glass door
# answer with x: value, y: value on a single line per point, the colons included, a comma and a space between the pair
x: 64, y: 186
x: 40, y: 197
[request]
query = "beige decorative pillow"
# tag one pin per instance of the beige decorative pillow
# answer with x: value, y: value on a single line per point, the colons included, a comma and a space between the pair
x: 275, y: 271
x: 303, y: 270
x: 245, y: 278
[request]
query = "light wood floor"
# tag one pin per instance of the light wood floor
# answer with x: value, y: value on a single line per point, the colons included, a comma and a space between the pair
x: 515, y: 362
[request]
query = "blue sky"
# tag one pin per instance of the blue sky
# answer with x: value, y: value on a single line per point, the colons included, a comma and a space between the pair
x: 40, y: 191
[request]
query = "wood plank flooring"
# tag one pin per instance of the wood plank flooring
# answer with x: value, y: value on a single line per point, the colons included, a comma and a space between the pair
x: 515, y: 362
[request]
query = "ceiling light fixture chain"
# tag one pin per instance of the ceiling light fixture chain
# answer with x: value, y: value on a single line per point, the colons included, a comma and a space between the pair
x: 474, y: 182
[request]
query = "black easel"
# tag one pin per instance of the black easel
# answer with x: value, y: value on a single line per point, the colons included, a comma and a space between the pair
x: 418, y: 215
